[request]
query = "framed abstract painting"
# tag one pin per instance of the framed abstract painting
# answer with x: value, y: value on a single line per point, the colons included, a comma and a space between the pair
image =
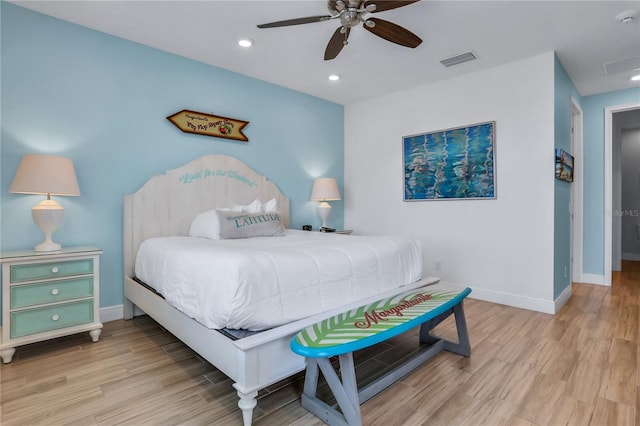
x: 451, y: 164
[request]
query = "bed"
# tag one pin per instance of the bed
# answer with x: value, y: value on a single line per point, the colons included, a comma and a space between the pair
x: 163, y: 210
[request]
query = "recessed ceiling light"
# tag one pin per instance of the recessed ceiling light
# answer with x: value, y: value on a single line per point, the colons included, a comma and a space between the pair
x: 245, y: 42
x: 635, y: 77
x: 334, y: 77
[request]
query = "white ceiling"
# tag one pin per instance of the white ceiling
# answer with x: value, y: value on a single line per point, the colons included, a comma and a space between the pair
x: 585, y: 34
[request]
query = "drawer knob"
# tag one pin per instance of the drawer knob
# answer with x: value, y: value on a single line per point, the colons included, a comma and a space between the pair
x: 56, y: 317
x: 55, y: 269
x: 55, y: 291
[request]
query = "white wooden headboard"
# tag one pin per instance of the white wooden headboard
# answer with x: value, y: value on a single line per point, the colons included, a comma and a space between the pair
x: 167, y: 204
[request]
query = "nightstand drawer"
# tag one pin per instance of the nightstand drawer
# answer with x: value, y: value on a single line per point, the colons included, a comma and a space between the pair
x: 32, y: 321
x: 39, y: 271
x: 49, y: 292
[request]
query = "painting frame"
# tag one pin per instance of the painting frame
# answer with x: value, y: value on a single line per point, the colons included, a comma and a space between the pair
x: 564, y: 165
x: 458, y: 163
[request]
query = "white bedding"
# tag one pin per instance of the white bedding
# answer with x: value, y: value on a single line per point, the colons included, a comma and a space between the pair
x: 259, y: 283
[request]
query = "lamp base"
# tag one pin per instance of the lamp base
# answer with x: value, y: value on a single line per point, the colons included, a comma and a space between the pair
x: 324, y: 209
x: 48, y: 245
x: 47, y: 215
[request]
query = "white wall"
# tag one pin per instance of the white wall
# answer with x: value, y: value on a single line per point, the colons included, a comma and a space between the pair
x: 503, y: 248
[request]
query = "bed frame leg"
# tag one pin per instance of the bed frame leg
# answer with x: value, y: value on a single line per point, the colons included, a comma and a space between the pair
x: 128, y: 309
x: 247, y: 403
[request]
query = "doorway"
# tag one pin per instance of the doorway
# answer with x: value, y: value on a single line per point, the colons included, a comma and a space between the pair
x: 629, y: 212
x: 617, y: 119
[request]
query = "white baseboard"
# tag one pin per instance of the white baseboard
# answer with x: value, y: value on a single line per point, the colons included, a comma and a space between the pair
x: 631, y: 256
x: 111, y: 313
x: 116, y: 312
x: 592, y: 279
x: 562, y: 299
x: 532, y: 304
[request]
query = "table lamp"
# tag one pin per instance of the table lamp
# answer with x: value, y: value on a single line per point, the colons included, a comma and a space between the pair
x: 50, y: 175
x: 325, y: 189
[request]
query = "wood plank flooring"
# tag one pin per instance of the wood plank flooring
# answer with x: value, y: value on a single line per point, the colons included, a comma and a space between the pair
x: 579, y: 367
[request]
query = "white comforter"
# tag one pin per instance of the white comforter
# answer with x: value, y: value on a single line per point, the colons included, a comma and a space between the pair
x: 259, y: 283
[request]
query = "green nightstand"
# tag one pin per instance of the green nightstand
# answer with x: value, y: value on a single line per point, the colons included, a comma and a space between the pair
x: 47, y: 295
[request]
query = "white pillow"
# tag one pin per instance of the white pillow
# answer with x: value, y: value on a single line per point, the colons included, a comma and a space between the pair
x: 254, y: 207
x: 206, y: 225
x: 237, y: 208
x: 270, y: 206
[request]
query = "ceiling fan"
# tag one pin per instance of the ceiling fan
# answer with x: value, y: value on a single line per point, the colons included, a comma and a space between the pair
x: 352, y: 13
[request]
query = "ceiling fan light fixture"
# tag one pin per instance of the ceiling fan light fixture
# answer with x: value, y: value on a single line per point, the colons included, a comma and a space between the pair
x: 245, y: 42
x: 627, y: 17
x: 352, y: 13
x: 334, y: 77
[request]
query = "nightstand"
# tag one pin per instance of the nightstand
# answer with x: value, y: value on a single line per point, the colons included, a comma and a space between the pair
x: 47, y: 295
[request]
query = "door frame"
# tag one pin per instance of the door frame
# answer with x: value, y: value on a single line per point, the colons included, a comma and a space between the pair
x: 577, y: 191
x: 608, y: 185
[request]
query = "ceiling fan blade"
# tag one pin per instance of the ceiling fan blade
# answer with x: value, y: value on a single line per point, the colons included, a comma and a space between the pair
x: 392, y: 32
x: 297, y: 21
x: 382, y: 5
x: 336, y: 43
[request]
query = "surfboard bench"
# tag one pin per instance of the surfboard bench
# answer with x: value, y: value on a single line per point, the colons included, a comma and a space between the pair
x: 360, y: 328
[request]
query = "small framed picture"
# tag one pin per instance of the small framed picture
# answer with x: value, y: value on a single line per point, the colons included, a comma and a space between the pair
x: 564, y: 165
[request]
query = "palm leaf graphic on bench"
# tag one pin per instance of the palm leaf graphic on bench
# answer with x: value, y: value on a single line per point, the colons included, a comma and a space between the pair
x: 372, y: 319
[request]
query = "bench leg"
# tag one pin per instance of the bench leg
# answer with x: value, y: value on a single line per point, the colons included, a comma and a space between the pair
x: 345, y: 391
x: 463, y: 346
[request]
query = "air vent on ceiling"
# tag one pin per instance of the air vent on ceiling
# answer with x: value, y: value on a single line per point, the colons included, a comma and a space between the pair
x: 626, y: 65
x: 458, y: 59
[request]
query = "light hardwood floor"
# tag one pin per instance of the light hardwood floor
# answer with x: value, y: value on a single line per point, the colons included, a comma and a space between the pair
x: 579, y: 367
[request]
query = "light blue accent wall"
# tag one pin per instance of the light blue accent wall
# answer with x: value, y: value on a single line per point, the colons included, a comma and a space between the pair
x: 103, y: 102
x: 593, y: 129
x: 564, y: 90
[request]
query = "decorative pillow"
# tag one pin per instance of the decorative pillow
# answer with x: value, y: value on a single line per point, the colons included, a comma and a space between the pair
x: 206, y: 225
x: 248, y: 225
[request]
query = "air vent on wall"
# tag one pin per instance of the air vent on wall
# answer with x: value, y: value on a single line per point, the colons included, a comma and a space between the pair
x: 458, y: 59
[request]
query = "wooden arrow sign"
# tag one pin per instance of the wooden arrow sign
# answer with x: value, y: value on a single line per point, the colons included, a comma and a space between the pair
x: 209, y: 125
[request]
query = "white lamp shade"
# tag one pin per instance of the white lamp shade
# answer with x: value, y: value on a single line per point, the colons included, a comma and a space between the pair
x: 45, y: 174
x: 325, y: 189
x: 50, y: 175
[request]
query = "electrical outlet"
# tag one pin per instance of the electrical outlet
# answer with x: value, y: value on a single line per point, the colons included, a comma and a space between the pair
x: 437, y: 265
